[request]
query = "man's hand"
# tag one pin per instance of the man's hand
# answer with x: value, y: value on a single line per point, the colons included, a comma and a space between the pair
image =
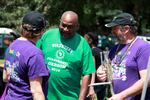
x: 117, y: 97
x: 84, y: 86
x: 101, y: 73
x: 91, y: 93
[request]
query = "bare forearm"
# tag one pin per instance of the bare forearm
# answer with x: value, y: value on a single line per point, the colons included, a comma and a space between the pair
x: 131, y: 91
x: 93, y: 76
x: 5, y: 76
x: 84, y: 86
x: 38, y: 96
x: 92, y: 80
x: 135, y: 89
x: 36, y: 89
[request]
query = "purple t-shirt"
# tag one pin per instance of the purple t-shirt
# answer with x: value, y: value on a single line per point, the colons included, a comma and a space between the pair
x: 127, y: 63
x: 24, y: 61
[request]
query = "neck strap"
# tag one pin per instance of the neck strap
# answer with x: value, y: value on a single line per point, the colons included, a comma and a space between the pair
x: 126, y: 52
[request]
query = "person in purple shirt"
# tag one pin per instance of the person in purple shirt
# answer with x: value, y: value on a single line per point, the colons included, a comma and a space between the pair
x: 129, y: 59
x: 24, y: 68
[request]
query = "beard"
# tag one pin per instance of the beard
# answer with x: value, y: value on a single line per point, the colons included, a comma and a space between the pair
x: 121, y: 38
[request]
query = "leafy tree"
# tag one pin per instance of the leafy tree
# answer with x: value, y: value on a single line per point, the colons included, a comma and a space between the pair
x: 92, y: 14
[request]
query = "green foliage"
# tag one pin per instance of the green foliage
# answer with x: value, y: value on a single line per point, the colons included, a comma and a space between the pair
x: 92, y: 14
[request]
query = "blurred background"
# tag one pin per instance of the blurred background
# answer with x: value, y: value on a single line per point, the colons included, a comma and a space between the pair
x: 93, y: 14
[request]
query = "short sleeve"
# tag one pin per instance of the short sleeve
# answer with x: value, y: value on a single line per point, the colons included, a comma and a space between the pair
x: 88, y: 61
x: 143, y: 57
x: 37, y: 67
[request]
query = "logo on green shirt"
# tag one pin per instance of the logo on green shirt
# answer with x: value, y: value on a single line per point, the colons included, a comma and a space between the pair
x: 60, y: 54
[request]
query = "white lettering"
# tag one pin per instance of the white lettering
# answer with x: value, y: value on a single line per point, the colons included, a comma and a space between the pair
x: 56, y: 65
x: 63, y: 46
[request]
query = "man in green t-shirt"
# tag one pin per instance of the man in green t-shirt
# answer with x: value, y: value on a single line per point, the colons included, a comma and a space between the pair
x: 69, y: 58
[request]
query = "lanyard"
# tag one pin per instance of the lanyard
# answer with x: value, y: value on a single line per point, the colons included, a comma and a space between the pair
x: 125, y: 54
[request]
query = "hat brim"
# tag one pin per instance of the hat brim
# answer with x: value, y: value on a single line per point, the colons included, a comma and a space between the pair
x: 112, y: 24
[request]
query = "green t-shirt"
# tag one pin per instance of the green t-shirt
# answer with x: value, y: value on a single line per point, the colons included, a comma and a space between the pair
x: 68, y: 60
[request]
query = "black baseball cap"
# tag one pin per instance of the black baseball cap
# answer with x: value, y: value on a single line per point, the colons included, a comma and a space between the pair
x: 122, y: 19
x: 34, y: 20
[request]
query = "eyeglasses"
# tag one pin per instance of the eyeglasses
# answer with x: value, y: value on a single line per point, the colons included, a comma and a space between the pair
x: 67, y: 25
